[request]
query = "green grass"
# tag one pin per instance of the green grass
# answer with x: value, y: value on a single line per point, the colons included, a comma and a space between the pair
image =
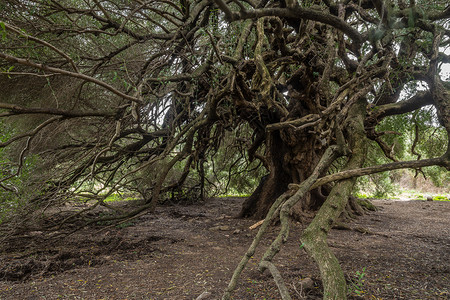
x: 117, y: 197
x: 414, y: 195
x: 233, y: 195
x: 407, y: 195
x: 441, y: 198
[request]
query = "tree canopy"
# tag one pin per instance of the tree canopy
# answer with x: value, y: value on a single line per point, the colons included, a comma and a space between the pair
x: 106, y: 96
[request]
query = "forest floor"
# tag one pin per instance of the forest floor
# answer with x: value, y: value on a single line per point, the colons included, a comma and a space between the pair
x: 401, y: 251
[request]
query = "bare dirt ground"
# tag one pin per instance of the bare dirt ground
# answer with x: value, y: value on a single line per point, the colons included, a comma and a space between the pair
x: 403, y: 251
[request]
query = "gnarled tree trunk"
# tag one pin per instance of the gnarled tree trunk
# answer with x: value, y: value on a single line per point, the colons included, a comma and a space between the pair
x: 291, y: 156
x: 292, y: 159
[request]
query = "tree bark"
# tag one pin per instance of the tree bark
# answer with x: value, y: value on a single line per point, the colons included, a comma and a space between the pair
x: 314, y: 238
x: 288, y: 164
x: 272, y: 185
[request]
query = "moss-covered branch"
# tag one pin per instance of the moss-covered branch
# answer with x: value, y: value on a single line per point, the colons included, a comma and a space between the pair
x: 314, y: 238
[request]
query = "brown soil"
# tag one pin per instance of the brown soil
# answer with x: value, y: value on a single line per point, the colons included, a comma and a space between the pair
x: 180, y: 252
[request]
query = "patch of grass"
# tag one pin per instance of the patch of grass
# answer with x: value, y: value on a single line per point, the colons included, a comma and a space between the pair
x: 125, y: 225
x: 362, y: 195
x: 104, y: 222
x: 414, y: 195
x: 117, y: 197
x: 234, y: 196
x: 441, y: 198
x: 113, y: 198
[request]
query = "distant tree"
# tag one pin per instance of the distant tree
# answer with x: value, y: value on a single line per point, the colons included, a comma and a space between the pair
x: 114, y: 95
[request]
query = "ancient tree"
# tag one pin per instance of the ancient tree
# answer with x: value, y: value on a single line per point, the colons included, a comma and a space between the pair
x: 107, y: 96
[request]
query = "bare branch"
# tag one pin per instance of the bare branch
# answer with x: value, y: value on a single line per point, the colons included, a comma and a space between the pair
x: 440, y: 161
x: 46, y: 44
x: 43, y: 67
x: 19, y: 110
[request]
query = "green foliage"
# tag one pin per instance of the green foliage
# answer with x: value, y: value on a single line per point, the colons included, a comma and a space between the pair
x: 115, y: 197
x: 362, y: 195
x: 125, y: 225
x: 18, y: 190
x: 441, y: 198
x: 17, y: 187
x: 400, y: 136
x: 231, y: 169
x: 438, y: 175
x: 356, y: 286
x: 7, y: 70
x: 383, y: 185
x: 3, y: 30
x: 377, y: 185
x: 233, y: 195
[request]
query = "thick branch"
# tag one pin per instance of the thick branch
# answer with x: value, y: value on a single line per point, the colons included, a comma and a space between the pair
x: 19, y: 110
x: 294, y: 13
x: 315, y: 235
x: 307, y: 14
x: 419, y: 100
x: 309, y: 119
x: 440, y: 161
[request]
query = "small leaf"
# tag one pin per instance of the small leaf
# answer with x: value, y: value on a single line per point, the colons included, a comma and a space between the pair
x: 2, y: 25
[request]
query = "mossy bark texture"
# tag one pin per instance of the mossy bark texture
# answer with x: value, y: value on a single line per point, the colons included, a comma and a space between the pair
x: 314, y: 237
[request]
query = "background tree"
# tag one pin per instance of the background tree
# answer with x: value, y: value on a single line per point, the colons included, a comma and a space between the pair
x: 113, y: 96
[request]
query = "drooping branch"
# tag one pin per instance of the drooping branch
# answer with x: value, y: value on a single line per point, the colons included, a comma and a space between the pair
x: 266, y: 262
x: 40, y: 41
x: 284, y: 292
x: 31, y: 133
x: 15, y: 109
x: 29, y: 63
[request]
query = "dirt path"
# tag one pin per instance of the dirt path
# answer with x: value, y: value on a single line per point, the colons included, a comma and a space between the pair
x: 403, y: 250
